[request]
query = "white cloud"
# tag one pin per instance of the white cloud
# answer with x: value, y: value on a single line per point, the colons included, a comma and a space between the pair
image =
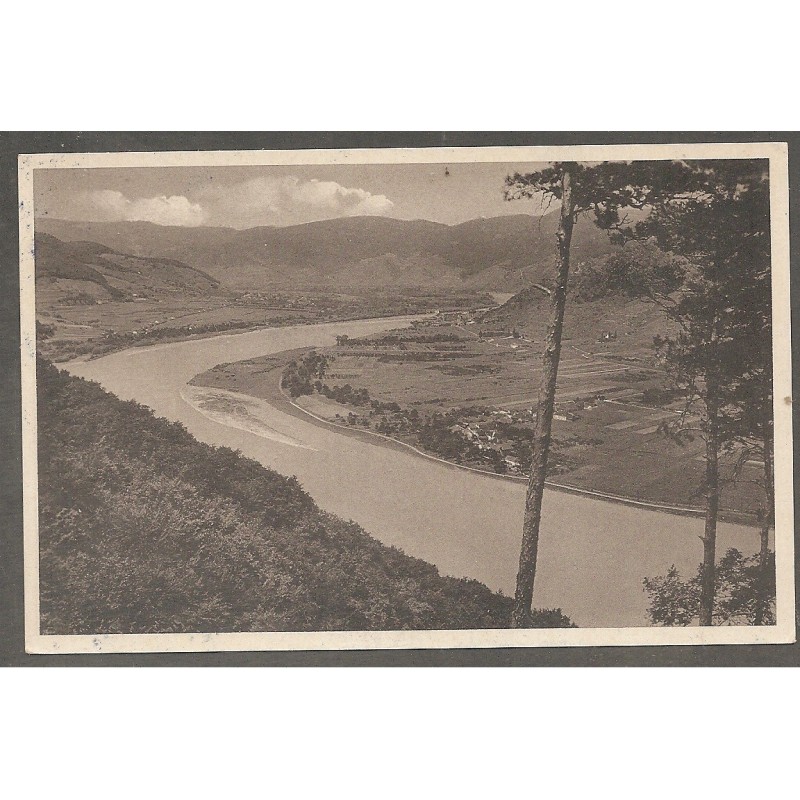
x: 110, y: 205
x: 265, y: 200
x: 270, y: 200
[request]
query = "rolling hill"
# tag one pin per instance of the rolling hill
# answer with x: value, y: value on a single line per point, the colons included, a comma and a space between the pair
x: 83, y: 272
x: 635, y: 321
x: 495, y: 254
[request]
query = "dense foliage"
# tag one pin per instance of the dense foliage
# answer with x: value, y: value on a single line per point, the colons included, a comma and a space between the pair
x: 145, y: 529
x: 298, y: 377
x: 740, y: 588
x: 640, y: 269
x: 720, y: 356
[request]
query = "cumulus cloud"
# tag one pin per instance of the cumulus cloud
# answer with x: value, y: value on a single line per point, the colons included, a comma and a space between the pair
x: 263, y: 200
x: 109, y: 205
x: 270, y: 200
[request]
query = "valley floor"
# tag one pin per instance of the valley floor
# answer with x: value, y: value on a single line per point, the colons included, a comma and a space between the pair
x: 594, y: 554
x: 68, y: 330
x: 472, y: 407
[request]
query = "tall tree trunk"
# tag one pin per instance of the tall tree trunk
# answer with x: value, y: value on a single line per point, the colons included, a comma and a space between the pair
x: 767, y: 521
x: 523, y: 597
x: 708, y: 590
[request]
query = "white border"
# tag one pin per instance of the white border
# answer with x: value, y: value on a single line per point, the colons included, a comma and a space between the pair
x: 782, y: 632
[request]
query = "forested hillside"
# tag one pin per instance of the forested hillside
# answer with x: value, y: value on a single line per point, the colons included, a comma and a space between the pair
x: 144, y: 529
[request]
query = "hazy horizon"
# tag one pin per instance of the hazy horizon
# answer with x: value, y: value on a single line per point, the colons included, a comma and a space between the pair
x: 295, y: 224
x: 279, y: 196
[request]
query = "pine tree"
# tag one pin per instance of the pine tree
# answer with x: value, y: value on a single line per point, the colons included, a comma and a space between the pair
x: 721, y: 355
x: 714, y: 215
x: 603, y: 191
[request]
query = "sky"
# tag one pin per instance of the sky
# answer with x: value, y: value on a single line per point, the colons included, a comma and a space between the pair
x: 248, y: 196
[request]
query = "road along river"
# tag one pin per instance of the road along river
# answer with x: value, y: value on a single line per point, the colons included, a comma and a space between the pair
x: 593, y: 554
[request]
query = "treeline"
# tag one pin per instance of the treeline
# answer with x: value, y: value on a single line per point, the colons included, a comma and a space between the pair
x: 304, y: 377
x: 431, y: 432
x: 394, y: 339
x: 346, y: 394
x: 299, y: 377
x: 144, y: 529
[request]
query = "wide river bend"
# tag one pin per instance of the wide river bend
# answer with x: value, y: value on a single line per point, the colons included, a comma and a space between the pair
x: 593, y: 554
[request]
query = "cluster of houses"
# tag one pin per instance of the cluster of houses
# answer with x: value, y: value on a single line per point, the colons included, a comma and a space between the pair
x: 490, y: 334
x: 484, y: 435
x: 468, y: 317
x: 482, y: 431
x: 486, y: 440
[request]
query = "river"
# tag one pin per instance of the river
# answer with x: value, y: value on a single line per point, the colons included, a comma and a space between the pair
x: 593, y: 554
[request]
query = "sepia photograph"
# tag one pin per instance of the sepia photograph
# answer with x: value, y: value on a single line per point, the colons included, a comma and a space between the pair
x: 399, y: 400
x: 395, y: 398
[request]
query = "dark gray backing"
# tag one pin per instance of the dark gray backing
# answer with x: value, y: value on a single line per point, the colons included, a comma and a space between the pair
x: 11, y: 600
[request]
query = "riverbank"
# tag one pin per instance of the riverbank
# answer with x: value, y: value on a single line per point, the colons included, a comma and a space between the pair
x: 201, y: 539
x: 593, y: 554
x: 269, y: 387
x: 117, y: 343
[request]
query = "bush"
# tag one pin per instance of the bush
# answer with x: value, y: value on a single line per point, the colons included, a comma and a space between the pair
x: 740, y: 588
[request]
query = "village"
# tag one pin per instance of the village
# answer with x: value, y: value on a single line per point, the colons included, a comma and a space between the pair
x: 410, y: 385
x: 466, y: 392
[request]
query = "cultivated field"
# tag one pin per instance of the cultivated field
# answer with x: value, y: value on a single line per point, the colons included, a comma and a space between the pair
x: 612, y: 409
x: 607, y: 433
x: 89, y: 321
x: 501, y: 372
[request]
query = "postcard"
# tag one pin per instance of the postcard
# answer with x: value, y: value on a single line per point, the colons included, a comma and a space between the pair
x: 406, y: 398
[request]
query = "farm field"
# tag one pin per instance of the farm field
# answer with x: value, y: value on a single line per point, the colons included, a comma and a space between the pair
x: 501, y: 372
x: 85, y: 329
x: 613, y: 444
x: 139, y: 315
x: 500, y: 377
x: 607, y: 432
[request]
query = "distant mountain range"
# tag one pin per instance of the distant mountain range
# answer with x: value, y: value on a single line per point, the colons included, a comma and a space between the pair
x: 85, y: 272
x: 501, y: 254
